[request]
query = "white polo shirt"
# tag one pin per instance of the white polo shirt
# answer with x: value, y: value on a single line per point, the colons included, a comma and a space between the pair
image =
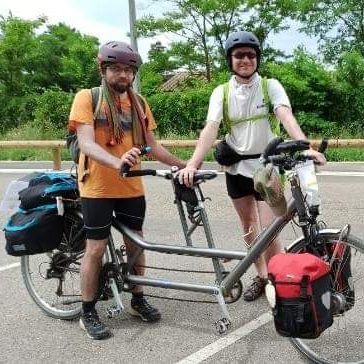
x: 246, y: 100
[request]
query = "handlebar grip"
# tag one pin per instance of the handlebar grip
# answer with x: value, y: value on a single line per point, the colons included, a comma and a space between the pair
x: 270, y: 149
x: 125, y: 168
x: 142, y: 172
x: 204, y: 176
x: 323, y: 146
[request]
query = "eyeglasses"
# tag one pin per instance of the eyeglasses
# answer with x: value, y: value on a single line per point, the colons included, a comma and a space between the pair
x: 117, y: 69
x: 242, y: 55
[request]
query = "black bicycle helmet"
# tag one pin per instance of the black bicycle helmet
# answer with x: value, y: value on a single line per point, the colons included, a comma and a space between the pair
x: 119, y: 52
x: 242, y: 39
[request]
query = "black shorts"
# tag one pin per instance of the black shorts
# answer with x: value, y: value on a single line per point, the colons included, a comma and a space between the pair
x: 98, y: 212
x: 240, y: 186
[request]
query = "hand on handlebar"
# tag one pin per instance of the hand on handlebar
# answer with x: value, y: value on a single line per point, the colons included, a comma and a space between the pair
x: 318, y: 157
x: 185, y: 175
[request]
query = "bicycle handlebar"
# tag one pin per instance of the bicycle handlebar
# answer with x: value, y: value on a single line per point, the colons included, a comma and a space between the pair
x: 200, y: 176
x: 284, y: 154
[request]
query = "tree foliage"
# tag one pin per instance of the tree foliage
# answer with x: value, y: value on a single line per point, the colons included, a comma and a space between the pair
x: 202, y: 27
x: 31, y: 62
x: 42, y: 65
x: 339, y: 24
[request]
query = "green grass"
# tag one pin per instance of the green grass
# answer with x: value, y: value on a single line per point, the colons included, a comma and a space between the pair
x: 333, y: 155
x: 345, y: 154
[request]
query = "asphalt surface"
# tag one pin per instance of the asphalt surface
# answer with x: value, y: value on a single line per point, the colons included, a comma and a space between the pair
x: 28, y: 336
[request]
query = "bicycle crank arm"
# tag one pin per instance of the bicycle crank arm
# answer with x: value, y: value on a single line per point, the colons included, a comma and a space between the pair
x: 118, y: 308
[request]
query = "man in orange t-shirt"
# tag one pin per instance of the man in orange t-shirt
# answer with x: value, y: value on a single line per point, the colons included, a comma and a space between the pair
x: 110, y: 140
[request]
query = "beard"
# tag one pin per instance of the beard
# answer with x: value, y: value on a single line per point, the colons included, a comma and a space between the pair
x: 119, y: 86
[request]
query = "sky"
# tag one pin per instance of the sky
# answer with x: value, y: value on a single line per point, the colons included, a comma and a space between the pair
x: 109, y: 20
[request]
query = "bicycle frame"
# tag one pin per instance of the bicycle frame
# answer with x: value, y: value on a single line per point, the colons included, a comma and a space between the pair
x: 226, y: 283
x: 260, y: 244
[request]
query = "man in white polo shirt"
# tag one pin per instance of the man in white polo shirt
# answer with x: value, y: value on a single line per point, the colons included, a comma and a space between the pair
x: 242, y: 105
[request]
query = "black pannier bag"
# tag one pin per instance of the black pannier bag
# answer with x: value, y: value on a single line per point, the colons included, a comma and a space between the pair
x: 43, y: 189
x: 34, y: 231
x: 299, y: 292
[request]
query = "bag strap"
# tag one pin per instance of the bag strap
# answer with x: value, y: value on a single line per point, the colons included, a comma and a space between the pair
x: 274, y: 122
x: 228, y: 123
x: 96, y: 95
x: 96, y: 98
x: 304, y: 286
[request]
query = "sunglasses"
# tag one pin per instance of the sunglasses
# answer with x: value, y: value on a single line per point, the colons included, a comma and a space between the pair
x: 242, y: 55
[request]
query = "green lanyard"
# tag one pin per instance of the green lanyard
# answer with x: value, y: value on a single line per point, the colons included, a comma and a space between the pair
x: 228, y: 123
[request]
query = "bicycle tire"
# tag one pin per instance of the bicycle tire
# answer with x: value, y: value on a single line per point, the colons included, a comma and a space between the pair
x: 52, y: 279
x: 343, y: 341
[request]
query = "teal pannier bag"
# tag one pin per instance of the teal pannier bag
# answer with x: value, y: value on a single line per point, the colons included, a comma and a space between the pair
x: 34, y: 231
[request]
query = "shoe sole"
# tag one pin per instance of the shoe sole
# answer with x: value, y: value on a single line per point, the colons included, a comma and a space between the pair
x: 137, y: 314
x: 100, y: 337
x: 252, y: 299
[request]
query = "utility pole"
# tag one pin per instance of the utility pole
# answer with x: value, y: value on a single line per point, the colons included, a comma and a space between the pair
x: 133, y: 38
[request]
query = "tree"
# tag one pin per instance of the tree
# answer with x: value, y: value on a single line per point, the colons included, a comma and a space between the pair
x: 64, y: 58
x: 339, y: 24
x: 202, y: 26
x: 31, y: 62
x: 17, y: 40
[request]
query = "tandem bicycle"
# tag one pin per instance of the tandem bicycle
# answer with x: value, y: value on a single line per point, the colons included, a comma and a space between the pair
x: 52, y: 278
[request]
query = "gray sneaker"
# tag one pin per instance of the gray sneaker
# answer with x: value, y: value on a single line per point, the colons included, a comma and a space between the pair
x: 140, y: 307
x: 255, y: 290
x: 94, y: 328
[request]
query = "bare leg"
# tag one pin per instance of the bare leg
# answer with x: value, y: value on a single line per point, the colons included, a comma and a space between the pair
x: 90, y: 268
x: 247, y: 209
x: 266, y: 216
x: 131, y: 250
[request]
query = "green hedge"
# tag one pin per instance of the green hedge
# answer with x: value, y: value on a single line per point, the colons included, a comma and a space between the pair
x: 180, y: 113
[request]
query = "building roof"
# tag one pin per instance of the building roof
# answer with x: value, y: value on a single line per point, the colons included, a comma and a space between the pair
x: 181, y: 81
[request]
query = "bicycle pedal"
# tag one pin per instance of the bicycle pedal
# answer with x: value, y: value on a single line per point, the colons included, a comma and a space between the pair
x: 222, y: 325
x: 113, y: 311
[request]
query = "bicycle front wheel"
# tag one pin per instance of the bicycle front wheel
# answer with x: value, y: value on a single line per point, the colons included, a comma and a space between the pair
x: 342, y: 342
x: 53, y: 278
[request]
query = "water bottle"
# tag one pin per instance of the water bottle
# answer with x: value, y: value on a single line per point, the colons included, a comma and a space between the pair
x: 308, y: 181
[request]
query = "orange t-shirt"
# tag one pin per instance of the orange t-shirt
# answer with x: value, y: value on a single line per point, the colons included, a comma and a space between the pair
x: 105, y: 182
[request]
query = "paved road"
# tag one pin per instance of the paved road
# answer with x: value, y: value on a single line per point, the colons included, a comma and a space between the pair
x: 186, y: 328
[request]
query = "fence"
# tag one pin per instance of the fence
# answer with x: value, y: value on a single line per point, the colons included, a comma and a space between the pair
x: 57, y: 145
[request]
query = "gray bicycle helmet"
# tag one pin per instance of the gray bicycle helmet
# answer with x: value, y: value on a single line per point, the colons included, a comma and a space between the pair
x: 242, y: 39
x: 119, y: 52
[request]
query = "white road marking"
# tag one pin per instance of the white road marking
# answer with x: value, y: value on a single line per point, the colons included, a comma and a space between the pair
x: 341, y: 174
x: 226, y: 341
x: 9, y: 266
x: 28, y: 170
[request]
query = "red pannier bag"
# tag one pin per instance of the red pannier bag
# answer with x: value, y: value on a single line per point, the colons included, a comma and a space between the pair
x: 301, y: 301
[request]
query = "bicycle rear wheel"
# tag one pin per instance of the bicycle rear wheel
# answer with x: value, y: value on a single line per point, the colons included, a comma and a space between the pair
x: 53, y: 278
x: 342, y: 342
